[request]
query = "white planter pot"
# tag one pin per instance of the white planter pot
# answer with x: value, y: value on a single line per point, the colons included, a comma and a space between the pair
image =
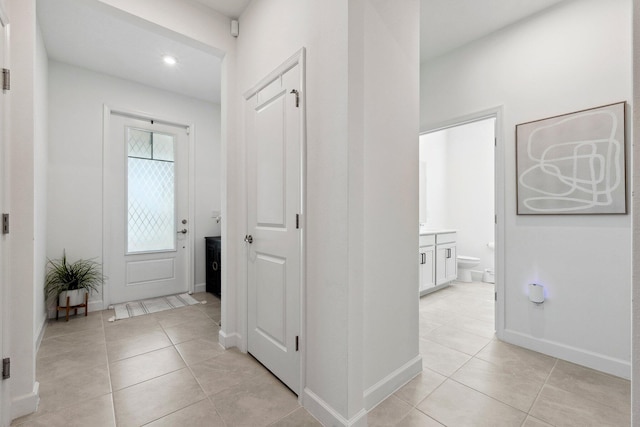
x: 76, y: 297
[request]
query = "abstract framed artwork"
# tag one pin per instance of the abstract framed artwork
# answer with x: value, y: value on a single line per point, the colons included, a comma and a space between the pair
x: 573, y: 164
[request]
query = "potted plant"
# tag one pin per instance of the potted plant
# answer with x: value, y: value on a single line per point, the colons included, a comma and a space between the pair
x: 72, y: 279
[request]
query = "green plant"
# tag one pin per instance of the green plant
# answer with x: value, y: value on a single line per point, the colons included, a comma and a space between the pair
x: 65, y: 276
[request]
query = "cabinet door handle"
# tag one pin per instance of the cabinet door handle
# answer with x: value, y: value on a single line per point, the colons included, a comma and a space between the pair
x: 423, y: 258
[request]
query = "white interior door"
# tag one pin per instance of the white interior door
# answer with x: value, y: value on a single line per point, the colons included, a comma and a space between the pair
x: 274, y: 200
x: 147, y: 229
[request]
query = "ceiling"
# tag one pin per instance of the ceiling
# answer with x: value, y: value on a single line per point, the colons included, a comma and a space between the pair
x: 84, y: 34
x: 230, y: 8
x: 446, y: 25
x: 81, y: 33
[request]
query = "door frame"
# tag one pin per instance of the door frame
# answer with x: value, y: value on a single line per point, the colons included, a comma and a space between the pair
x: 108, y: 111
x: 5, y: 388
x: 299, y: 59
x: 499, y: 202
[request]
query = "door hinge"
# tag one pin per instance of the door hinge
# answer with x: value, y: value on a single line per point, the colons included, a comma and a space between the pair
x: 297, y: 343
x: 495, y: 219
x: 297, y: 221
x: 5, y: 223
x: 295, y: 91
x: 495, y: 296
x: 6, y: 79
x: 6, y: 368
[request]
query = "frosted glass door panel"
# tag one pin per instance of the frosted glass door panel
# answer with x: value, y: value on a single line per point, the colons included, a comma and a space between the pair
x: 151, y: 219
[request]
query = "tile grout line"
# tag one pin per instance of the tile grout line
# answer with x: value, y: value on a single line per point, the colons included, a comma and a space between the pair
x: 188, y: 366
x: 113, y: 402
x: 99, y: 331
x: 555, y: 363
x: 450, y: 377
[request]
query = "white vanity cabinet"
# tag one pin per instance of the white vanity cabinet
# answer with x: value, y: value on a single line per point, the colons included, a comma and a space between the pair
x: 426, y: 258
x: 437, y: 259
x: 446, y: 267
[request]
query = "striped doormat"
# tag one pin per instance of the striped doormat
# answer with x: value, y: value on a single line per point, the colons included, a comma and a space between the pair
x: 154, y: 305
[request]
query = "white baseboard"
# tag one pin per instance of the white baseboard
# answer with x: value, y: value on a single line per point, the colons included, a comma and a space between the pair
x: 392, y: 382
x: 200, y: 287
x: 27, y: 403
x: 229, y: 340
x: 95, y: 306
x: 327, y: 416
x: 618, y: 367
x: 43, y: 328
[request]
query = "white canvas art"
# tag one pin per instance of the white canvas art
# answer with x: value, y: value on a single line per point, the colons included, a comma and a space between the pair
x: 573, y: 164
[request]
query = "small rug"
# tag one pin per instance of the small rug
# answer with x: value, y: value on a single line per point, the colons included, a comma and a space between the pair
x: 154, y: 305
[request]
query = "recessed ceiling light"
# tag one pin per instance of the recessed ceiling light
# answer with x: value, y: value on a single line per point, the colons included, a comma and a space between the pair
x: 169, y: 60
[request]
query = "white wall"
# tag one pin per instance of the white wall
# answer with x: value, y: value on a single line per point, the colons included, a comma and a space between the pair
x: 390, y: 205
x: 361, y: 299
x: 460, y: 187
x: 26, y: 136
x: 75, y: 175
x: 41, y: 188
x: 576, y: 56
x: 433, y: 192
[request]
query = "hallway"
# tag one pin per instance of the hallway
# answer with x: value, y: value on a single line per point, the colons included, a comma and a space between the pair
x: 167, y: 369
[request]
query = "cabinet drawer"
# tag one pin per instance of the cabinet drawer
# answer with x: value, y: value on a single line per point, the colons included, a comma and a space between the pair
x: 428, y: 240
x: 446, y: 238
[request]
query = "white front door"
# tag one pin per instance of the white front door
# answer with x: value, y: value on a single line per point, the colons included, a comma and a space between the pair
x: 274, y: 164
x: 147, y: 229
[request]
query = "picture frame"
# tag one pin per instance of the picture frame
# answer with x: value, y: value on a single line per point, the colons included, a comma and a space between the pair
x: 573, y: 163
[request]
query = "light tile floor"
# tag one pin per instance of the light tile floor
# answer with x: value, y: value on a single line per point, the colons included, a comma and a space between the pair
x: 167, y: 369
x: 472, y: 379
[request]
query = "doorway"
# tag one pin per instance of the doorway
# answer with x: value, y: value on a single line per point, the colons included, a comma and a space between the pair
x: 457, y: 188
x: 147, y: 209
x: 459, y: 172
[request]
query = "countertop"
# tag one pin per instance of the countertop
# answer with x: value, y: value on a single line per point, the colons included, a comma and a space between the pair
x: 432, y: 231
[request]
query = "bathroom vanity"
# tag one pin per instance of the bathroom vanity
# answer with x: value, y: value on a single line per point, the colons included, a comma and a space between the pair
x: 437, y: 258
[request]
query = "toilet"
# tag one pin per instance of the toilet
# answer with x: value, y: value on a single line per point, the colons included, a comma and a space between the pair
x: 465, y: 264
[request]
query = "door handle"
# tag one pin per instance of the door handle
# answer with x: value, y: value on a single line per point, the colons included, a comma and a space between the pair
x: 183, y: 231
x: 248, y: 238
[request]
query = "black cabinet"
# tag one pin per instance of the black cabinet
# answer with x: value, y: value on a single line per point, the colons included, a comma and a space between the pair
x: 214, y: 251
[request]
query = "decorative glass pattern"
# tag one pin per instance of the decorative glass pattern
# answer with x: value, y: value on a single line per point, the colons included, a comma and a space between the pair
x: 139, y: 143
x: 151, y: 222
x: 163, y: 147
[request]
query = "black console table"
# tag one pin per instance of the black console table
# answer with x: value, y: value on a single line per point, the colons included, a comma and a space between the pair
x: 214, y: 251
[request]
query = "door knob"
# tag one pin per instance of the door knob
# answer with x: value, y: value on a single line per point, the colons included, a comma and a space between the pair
x: 248, y: 238
x: 183, y: 231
